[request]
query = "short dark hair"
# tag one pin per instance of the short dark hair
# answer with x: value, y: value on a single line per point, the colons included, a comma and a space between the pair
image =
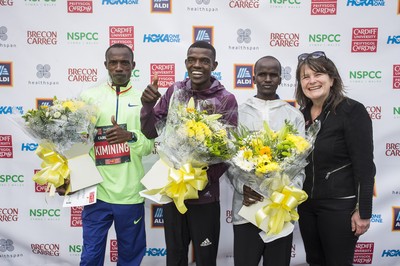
x: 119, y: 45
x: 205, y: 45
x: 268, y: 57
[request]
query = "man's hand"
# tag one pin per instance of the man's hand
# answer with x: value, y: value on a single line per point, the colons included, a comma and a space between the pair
x: 250, y: 196
x: 359, y: 226
x: 116, y: 134
x: 151, y: 93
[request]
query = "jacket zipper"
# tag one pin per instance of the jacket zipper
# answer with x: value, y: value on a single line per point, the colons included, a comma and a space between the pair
x: 117, y: 103
x: 337, y: 169
x: 313, y: 174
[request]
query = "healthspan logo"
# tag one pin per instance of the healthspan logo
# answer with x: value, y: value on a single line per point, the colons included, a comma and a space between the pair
x: 287, y: 78
x: 122, y: 34
x: 43, y: 73
x: 323, y: 7
x: 243, y: 39
x: 6, y: 149
x: 80, y: 6
x: 201, y: 6
x: 165, y: 72
x: 4, y: 38
x: 6, y: 74
x: 363, y: 253
x: 203, y: 33
x: 161, y: 6
x: 243, y: 78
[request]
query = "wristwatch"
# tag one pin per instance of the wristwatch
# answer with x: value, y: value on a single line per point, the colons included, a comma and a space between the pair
x: 133, y: 139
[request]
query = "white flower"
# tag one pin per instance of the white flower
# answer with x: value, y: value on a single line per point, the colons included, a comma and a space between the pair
x: 57, y: 115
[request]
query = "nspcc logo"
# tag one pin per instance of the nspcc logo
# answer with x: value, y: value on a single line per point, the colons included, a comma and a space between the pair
x: 323, y: 7
x: 122, y: 34
x: 364, y: 40
x: 396, y: 219
x: 6, y: 74
x: 161, y: 6
x: 203, y: 33
x: 243, y: 76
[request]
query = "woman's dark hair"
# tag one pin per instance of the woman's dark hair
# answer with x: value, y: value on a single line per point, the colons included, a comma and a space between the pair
x: 321, y: 65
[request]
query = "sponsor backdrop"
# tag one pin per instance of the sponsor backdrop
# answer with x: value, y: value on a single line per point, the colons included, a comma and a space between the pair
x: 56, y: 47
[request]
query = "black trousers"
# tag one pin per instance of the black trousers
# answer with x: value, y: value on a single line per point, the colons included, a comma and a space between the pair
x: 325, y: 227
x: 201, y: 225
x: 249, y: 248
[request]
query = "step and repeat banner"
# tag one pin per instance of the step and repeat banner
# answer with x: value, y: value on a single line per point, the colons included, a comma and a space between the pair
x: 56, y: 48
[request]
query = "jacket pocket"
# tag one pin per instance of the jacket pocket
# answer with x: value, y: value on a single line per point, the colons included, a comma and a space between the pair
x: 335, y: 170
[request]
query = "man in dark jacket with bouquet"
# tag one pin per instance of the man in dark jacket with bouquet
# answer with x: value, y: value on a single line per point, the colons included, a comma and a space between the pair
x: 201, y: 223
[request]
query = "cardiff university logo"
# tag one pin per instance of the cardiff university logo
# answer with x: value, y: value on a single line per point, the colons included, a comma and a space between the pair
x: 364, y: 40
x: 6, y: 149
x: 363, y: 253
x: 122, y: 34
x: 166, y: 74
x: 396, y: 76
x: 203, y: 33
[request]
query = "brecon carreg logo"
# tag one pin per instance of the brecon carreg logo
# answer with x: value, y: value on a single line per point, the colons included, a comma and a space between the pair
x: 365, y: 2
x: 286, y: 75
x: 375, y: 112
x: 6, y: 74
x: 166, y: 73
x: 83, y: 74
x: 392, y: 149
x: 119, y: 2
x: 157, y: 216
x: 284, y: 39
x: 363, y: 253
x: 323, y: 7
x: 203, y: 33
x: 161, y: 6
x: 244, y: 3
x: 9, y: 214
x: 243, y: 39
x: 396, y: 218
x: 6, y: 3
x: 80, y: 6
x: 41, y: 37
x: 161, y: 38
x: 47, y: 249
x: 364, y: 40
x: 122, y: 34
x: 76, y: 216
x: 6, y: 149
x: 396, y: 76
x: 243, y: 76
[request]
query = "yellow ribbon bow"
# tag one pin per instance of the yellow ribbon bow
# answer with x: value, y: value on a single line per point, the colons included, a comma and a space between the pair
x: 185, y: 183
x: 281, y: 209
x: 54, y: 169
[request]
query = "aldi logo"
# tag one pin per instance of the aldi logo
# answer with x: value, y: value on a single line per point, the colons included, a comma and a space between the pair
x: 157, y: 217
x: 396, y: 219
x: 203, y: 33
x: 161, y: 6
x: 6, y: 74
x: 243, y: 78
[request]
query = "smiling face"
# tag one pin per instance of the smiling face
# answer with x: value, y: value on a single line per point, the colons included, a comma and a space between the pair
x: 315, y: 85
x: 267, y: 77
x: 119, y: 63
x: 199, y: 64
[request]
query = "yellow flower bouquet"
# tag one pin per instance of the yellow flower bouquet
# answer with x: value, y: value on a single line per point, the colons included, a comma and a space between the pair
x: 191, y: 139
x: 57, y: 128
x: 269, y: 162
